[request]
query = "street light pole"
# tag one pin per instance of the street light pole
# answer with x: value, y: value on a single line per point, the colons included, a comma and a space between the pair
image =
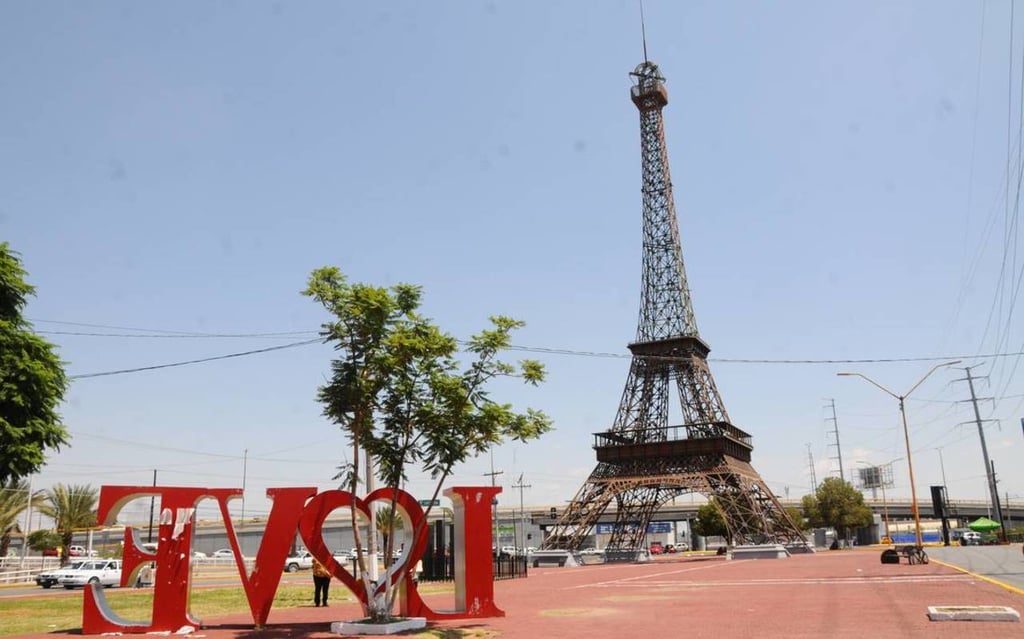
x: 910, y: 468
x: 906, y: 437
x: 885, y: 515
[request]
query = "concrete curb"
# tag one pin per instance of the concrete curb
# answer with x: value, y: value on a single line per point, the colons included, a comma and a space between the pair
x: 972, y: 613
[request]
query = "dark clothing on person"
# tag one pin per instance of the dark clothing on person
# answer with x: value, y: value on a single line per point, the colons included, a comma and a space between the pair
x: 321, y: 584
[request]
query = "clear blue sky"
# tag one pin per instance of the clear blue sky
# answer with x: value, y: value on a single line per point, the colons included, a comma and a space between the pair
x: 839, y: 172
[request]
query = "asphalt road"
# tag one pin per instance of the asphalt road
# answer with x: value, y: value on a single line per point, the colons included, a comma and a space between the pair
x: 1002, y: 563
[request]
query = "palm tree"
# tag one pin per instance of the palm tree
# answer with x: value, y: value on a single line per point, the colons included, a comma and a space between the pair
x: 13, y: 501
x: 71, y: 508
x: 386, y: 514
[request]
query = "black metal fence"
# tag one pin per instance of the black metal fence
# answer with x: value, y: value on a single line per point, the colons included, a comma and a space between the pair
x: 509, y: 567
x: 439, y: 559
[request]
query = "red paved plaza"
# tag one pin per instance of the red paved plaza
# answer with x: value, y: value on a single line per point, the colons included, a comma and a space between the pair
x: 829, y: 594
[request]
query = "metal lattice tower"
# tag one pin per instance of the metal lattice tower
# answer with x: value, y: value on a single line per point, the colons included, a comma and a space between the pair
x: 644, y: 461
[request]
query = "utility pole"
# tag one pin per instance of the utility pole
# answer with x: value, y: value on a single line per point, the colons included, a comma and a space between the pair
x: 28, y: 523
x: 942, y: 467
x: 245, y: 464
x: 810, y: 465
x: 835, y: 431
x: 522, y: 512
x: 999, y: 504
x: 494, y: 502
x: 989, y: 468
x: 152, y: 503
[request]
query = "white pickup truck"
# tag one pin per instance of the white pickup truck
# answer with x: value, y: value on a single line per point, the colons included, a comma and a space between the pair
x: 301, y: 560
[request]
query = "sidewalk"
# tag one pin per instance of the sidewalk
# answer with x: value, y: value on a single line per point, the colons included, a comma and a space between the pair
x: 839, y: 594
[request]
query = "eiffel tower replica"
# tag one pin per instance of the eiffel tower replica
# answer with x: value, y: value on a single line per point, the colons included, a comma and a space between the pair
x: 644, y: 461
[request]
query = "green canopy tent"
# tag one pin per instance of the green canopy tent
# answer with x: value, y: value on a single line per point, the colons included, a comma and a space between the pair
x: 984, y: 524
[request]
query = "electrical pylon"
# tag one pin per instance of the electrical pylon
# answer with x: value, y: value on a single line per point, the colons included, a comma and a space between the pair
x: 644, y: 461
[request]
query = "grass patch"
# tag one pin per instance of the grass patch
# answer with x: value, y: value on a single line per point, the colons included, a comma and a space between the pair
x: 456, y: 633
x: 37, y: 615
x: 44, y: 614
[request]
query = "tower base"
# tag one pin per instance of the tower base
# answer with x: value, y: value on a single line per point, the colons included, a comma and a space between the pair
x: 759, y: 551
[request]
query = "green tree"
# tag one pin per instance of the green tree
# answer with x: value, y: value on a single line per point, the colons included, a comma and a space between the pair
x: 32, y: 380
x: 71, y: 508
x: 14, y: 499
x: 837, y: 504
x: 711, y: 523
x: 40, y: 540
x: 403, y: 393
x: 388, y: 521
x: 797, y: 515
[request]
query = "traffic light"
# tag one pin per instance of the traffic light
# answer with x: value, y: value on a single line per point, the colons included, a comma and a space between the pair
x: 554, y: 513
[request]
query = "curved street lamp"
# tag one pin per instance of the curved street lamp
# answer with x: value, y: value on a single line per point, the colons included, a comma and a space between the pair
x: 906, y: 436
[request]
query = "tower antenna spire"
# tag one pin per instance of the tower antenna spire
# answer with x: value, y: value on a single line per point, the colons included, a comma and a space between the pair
x: 643, y: 30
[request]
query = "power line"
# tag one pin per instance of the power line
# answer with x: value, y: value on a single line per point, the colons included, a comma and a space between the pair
x: 165, y: 333
x: 554, y: 351
x: 140, y: 369
x: 118, y: 328
x: 179, y: 335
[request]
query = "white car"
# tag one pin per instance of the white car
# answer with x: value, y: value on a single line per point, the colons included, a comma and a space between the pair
x: 106, y: 572
x: 223, y: 553
x: 51, y: 578
x: 80, y: 551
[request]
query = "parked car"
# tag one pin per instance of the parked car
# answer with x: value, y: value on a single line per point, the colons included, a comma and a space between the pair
x: 301, y: 560
x: 50, y: 578
x: 656, y: 548
x: 970, y: 538
x: 223, y: 553
x: 80, y: 551
x: 106, y: 572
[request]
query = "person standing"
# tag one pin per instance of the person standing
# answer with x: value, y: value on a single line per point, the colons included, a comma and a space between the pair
x: 321, y: 583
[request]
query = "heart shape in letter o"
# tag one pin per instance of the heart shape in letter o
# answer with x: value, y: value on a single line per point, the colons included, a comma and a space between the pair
x: 317, y: 510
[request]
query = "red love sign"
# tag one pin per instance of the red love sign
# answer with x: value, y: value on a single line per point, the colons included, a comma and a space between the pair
x: 302, y: 509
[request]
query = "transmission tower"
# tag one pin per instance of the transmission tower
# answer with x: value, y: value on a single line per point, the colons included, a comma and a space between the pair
x: 643, y: 461
x: 990, y: 474
x: 835, y: 431
x: 810, y: 466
